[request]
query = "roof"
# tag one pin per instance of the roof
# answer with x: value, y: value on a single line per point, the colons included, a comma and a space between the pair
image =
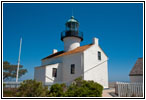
x: 72, y: 19
x: 137, y: 69
x: 62, y: 53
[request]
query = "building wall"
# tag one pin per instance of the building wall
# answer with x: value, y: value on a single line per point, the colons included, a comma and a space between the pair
x: 95, y: 69
x: 63, y: 69
x: 136, y: 79
x: 44, y: 73
x: 66, y: 71
x: 39, y: 73
x: 51, y: 61
x: 49, y: 70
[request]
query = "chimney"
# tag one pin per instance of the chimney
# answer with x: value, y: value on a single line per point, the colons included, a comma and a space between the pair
x: 54, y: 51
x: 95, y: 41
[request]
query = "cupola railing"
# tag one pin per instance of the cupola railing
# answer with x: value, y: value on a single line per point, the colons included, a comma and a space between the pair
x: 72, y: 34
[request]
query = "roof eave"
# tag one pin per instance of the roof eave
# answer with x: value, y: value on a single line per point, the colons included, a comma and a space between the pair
x: 135, y: 74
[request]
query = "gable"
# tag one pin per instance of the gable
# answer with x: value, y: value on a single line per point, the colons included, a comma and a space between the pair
x: 103, y: 51
x: 137, y: 69
x: 97, y: 48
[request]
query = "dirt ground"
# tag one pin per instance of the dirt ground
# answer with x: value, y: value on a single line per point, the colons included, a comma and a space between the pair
x: 109, y: 92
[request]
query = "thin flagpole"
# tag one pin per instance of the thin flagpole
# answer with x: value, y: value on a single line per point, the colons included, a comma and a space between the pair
x: 18, y: 61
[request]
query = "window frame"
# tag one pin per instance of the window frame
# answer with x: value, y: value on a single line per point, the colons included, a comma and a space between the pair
x: 54, y: 72
x: 99, y: 55
x: 72, y: 69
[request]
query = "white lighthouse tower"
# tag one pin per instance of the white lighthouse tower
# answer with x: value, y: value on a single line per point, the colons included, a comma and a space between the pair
x: 71, y: 36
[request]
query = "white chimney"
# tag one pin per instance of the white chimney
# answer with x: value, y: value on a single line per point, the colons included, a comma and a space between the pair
x: 95, y: 41
x: 54, y: 51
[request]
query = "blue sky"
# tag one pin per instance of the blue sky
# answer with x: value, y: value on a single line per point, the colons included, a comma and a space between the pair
x: 119, y: 27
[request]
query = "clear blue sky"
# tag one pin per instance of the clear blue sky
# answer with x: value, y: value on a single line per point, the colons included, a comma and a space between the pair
x: 119, y: 27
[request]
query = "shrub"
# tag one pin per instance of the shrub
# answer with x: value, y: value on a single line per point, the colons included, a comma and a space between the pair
x: 82, y: 88
x: 78, y: 88
x: 9, y: 92
x: 57, y: 90
x: 32, y: 88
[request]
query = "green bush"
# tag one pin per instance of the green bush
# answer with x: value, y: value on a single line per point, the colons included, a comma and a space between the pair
x: 57, y: 90
x: 78, y: 88
x: 32, y: 88
x: 9, y: 93
x: 82, y: 88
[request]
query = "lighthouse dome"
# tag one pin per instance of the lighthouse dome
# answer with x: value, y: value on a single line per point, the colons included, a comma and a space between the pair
x: 72, y: 19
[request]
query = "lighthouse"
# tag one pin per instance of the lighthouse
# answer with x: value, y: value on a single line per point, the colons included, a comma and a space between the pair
x: 88, y: 61
x: 71, y: 36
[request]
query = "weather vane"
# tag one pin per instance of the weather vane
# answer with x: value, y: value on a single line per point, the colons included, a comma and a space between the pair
x: 72, y: 12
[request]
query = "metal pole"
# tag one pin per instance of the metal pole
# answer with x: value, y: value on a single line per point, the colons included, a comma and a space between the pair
x: 18, y: 60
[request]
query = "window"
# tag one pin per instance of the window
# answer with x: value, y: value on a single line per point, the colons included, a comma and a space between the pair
x: 72, y: 68
x: 99, y: 55
x: 54, y: 73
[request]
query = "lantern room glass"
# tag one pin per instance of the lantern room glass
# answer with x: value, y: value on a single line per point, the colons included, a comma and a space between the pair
x: 72, y: 26
x: 72, y: 29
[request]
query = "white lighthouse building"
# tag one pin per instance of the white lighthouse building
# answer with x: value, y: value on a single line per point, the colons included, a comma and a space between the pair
x: 88, y: 61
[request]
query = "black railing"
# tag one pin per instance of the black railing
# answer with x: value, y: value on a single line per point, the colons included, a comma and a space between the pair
x: 72, y: 33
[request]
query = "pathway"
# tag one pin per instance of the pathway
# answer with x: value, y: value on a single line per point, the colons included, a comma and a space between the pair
x: 108, y: 92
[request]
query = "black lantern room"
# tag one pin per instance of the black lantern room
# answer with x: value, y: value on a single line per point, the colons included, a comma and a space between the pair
x: 72, y: 29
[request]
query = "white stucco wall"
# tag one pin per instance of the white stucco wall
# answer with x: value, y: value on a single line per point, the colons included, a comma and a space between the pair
x: 71, y: 43
x: 51, y: 61
x: 134, y: 79
x: 44, y: 73
x: 39, y: 73
x: 67, y: 61
x: 91, y: 70
x: 49, y: 70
